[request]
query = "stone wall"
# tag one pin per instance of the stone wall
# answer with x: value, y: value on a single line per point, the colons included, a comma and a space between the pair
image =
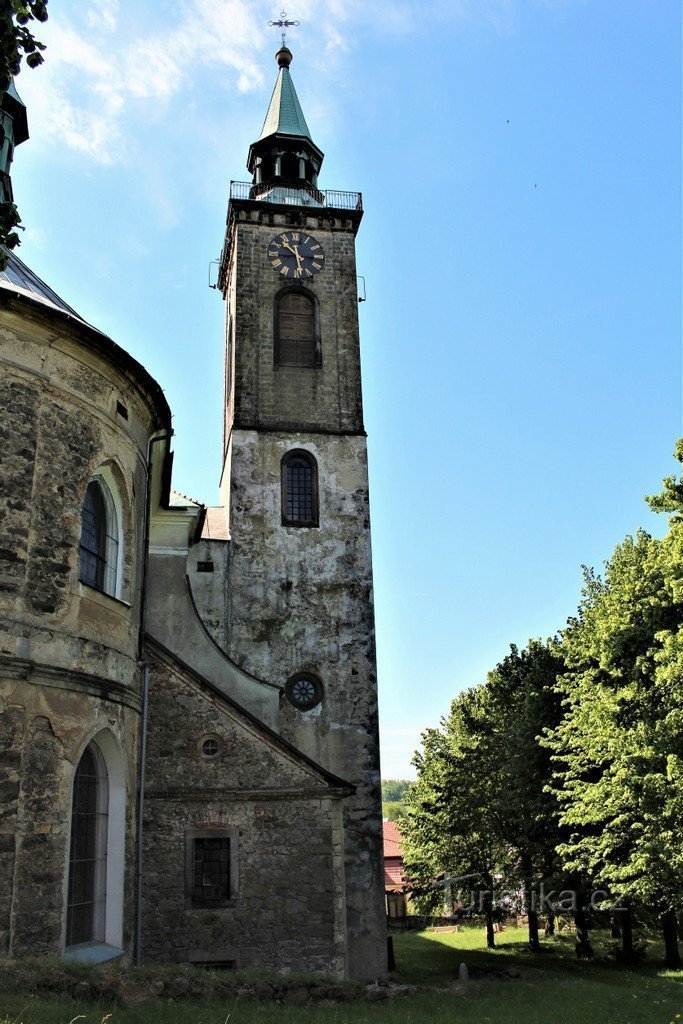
x: 43, y: 732
x: 301, y: 600
x: 60, y: 424
x: 68, y: 653
x: 301, y: 597
x: 287, y: 912
x: 209, y: 589
x: 326, y: 397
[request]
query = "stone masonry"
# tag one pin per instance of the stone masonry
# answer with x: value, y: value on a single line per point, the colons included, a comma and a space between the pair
x: 301, y: 599
x: 287, y: 911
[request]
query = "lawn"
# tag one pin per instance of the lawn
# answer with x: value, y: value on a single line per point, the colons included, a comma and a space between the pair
x: 552, y: 988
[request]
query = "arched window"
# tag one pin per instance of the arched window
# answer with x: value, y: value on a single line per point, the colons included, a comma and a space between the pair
x: 299, y: 489
x: 99, y: 553
x: 86, y: 902
x: 296, y: 343
x: 290, y: 167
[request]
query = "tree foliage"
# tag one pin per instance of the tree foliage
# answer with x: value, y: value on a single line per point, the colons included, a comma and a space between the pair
x: 393, y: 790
x: 17, y: 41
x: 568, y: 762
x: 478, y: 809
x: 618, y: 750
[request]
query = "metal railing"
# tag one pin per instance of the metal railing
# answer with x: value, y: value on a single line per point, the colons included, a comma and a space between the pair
x: 269, y: 193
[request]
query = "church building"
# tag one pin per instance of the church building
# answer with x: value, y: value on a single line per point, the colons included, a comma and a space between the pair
x: 189, y: 754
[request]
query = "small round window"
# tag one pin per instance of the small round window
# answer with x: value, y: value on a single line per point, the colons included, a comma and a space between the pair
x: 304, y: 691
x: 210, y: 747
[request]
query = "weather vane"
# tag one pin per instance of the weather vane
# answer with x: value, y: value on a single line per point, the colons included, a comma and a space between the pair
x: 284, y: 25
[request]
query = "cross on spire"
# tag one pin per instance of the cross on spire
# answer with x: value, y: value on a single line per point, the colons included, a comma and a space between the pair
x: 284, y: 25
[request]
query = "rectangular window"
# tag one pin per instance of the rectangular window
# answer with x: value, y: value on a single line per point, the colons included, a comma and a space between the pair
x: 299, y: 493
x: 211, y: 867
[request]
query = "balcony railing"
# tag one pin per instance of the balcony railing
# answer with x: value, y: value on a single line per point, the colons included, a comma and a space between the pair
x: 269, y: 193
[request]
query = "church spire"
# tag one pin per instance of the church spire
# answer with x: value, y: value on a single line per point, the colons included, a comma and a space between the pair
x: 13, y: 131
x: 284, y: 159
x: 284, y: 113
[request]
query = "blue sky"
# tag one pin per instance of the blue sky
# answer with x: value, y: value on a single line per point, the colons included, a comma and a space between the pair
x: 520, y: 166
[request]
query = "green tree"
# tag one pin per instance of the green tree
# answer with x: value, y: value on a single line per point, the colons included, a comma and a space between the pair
x: 393, y: 790
x: 618, y: 750
x: 523, y: 701
x: 451, y: 823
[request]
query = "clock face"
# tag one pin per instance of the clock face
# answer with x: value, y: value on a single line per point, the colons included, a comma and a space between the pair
x: 296, y: 255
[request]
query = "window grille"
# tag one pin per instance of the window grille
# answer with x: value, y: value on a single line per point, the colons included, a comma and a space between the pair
x: 300, y: 489
x: 88, y: 851
x: 211, y: 869
x: 295, y: 329
x: 93, y: 549
x: 99, y: 544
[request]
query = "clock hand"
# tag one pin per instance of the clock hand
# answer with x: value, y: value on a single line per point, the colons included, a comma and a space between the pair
x: 295, y: 250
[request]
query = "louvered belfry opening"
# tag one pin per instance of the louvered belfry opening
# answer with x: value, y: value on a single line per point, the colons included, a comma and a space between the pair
x: 296, y: 330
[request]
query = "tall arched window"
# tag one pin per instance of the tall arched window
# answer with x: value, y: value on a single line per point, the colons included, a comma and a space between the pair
x: 299, y: 489
x: 86, y: 902
x: 99, y: 554
x: 296, y: 343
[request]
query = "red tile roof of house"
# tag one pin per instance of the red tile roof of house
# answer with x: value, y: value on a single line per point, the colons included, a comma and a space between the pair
x: 215, y: 524
x: 393, y: 861
x: 392, y: 839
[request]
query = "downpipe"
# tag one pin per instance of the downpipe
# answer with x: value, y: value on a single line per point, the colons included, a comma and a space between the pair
x: 137, y: 954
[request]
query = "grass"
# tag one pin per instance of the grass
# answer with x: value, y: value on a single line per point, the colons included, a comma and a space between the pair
x: 553, y: 988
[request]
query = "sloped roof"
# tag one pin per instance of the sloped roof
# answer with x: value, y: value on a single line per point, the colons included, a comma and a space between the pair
x: 285, y: 115
x: 156, y: 649
x: 20, y: 277
x: 179, y: 500
x: 20, y: 282
x: 215, y: 524
x: 392, y: 839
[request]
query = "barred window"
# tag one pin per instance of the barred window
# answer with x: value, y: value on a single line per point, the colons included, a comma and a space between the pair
x: 88, y: 854
x: 295, y: 335
x: 211, y: 869
x: 211, y: 866
x: 99, y: 544
x: 299, y: 489
x: 93, y: 550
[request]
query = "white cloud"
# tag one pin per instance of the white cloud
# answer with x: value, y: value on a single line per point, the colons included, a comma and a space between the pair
x: 104, y: 15
x: 85, y: 93
x: 100, y: 63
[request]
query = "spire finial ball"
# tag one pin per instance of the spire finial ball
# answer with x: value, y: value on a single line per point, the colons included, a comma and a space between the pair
x: 284, y: 57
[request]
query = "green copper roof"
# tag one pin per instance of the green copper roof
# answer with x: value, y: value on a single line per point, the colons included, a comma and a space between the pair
x: 284, y: 113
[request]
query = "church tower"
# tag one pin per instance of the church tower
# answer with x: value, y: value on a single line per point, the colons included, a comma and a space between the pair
x: 295, y: 482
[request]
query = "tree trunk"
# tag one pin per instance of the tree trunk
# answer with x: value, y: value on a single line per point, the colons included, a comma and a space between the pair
x: 615, y: 927
x: 672, y: 955
x: 531, y: 903
x: 627, y: 935
x: 488, y: 913
x: 550, y: 925
x: 584, y: 950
